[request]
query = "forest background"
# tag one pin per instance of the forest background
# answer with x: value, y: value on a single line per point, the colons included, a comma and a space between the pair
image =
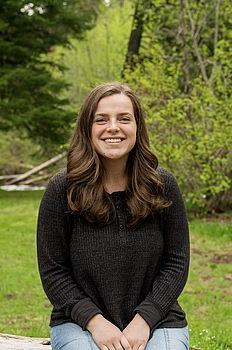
x: 176, y: 54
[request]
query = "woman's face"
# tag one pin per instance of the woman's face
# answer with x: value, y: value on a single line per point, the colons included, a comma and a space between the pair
x: 114, y: 127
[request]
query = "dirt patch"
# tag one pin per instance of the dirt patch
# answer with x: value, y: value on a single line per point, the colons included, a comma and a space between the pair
x: 11, y: 295
x: 197, y: 251
x: 228, y: 277
x: 222, y: 217
x: 206, y: 278
x: 201, y: 253
x: 222, y: 258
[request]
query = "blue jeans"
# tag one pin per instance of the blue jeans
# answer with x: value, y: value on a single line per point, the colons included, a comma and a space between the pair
x: 69, y: 336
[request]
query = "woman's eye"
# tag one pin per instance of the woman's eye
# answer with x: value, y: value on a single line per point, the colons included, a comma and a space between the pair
x: 125, y: 119
x: 100, y: 120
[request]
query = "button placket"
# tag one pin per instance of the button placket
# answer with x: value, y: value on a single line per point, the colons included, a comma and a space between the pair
x: 120, y: 216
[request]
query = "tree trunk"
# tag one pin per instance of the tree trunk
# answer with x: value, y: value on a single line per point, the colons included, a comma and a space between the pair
x: 134, y: 43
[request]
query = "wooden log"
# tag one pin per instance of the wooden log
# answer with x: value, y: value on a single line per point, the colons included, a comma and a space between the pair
x: 37, y: 169
x: 15, y: 342
x: 35, y: 179
x: 9, y: 177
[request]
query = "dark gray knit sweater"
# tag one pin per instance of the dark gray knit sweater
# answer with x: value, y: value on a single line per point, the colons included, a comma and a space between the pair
x: 88, y: 269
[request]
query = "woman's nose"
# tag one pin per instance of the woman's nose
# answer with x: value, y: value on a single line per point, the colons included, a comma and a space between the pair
x: 113, y: 126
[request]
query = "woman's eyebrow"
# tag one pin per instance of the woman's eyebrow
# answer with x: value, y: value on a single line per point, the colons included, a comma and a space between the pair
x: 106, y: 114
x: 101, y: 114
x: 125, y: 113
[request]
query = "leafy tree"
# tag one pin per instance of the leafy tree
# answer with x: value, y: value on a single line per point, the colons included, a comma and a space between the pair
x: 29, y: 92
x: 183, y: 76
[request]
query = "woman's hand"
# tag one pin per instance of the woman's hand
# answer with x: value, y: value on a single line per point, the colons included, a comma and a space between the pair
x: 106, y: 335
x: 137, y: 333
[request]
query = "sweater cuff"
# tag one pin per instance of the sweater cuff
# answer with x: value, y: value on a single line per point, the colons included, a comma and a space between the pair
x: 149, y: 313
x: 83, y: 311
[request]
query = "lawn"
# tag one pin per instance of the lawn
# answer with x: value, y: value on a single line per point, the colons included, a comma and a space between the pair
x: 207, y: 298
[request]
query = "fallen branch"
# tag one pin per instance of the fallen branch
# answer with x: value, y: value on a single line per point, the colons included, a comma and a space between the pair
x: 9, y: 177
x: 37, y: 168
x: 35, y: 179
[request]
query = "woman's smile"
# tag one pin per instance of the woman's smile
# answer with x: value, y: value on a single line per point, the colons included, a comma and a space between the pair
x: 113, y: 140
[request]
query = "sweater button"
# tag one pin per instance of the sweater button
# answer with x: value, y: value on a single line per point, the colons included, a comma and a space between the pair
x: 121, y: 227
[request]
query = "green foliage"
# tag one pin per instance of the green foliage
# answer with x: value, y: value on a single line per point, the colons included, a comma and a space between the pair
x: 183, y: 75
x: 30, y: 94
x: 189, y: 107
x: 100, y: 56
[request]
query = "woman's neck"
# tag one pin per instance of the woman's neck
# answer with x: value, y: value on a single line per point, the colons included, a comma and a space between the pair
x: 115, y: 175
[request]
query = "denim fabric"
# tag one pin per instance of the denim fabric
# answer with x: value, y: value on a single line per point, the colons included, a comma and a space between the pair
x: 169, y: 339
x: 69, y: 336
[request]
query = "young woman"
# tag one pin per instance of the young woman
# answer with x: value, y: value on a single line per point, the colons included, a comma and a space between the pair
x: 113, y: 245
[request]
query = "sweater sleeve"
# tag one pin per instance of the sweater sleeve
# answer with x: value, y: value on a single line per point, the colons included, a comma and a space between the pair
x: 173, y: 272
x: 53, y: 232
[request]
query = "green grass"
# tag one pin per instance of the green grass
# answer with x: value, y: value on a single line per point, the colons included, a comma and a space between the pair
x: 208, y: 294
x: 24, y: 307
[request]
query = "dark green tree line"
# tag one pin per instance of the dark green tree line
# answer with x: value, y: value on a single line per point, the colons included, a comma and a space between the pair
x: 30, y: 94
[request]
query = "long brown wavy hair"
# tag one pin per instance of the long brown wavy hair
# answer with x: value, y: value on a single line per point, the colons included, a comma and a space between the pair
x: 85, y: 171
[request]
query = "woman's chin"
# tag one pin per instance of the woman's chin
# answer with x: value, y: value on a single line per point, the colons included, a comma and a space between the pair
x: 114, y: 156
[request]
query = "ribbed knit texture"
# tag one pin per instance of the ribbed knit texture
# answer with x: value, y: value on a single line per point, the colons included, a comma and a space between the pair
x: 87, y: 269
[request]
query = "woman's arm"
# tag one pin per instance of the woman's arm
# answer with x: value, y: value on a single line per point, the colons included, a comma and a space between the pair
x: 173, y: 271
x: 53, y: 232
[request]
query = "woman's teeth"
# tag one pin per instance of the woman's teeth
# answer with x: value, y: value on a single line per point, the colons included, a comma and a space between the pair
x: 113, y: 140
